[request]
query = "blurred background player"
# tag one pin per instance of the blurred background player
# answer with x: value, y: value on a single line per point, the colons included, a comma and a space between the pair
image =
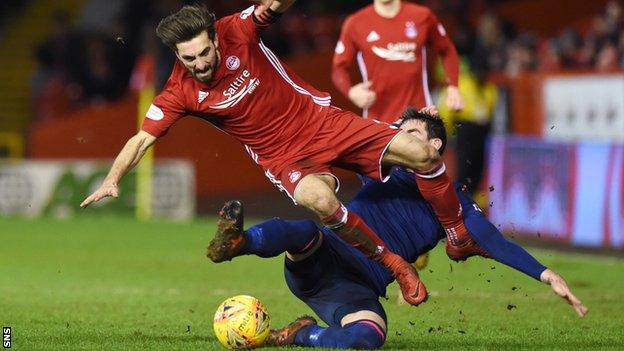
x: 343, y: 287
x: 471, y: 124
x: 389, y: 40
x: 225, y: 75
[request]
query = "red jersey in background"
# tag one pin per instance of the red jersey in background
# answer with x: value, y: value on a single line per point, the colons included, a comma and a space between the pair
x: 392, y: 53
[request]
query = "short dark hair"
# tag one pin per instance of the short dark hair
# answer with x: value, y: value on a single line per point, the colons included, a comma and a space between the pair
x: 433, y: 124
x: 184, y: 25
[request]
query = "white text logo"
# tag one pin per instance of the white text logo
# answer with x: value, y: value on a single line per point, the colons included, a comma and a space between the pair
x: 237, y: 90
x: 403, y: 51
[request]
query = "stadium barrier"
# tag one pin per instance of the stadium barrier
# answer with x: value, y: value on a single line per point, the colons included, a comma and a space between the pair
x: 571, y: 192
x: 568, y: 106
x: 584, y: 107
x: 56, y: 188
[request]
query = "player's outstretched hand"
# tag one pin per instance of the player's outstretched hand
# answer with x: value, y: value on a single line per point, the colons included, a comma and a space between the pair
x: 103, y: 191
x: 361, y: 95
x: 559, y: 286
x: 454, y: 99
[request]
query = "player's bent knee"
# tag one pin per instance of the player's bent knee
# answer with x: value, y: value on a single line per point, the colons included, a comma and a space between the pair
x: 364, y: 314
x: 298, y: 257
x: 324, y: 204
x: 369, y: 326
x: 315, y: 193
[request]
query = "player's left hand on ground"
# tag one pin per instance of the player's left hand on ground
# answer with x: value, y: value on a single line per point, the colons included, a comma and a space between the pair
x: 430, y: 110
x: 559, y: 286
x: 454, y: 99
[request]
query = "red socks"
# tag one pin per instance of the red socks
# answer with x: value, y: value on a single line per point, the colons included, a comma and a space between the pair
x: 351, y: 228
x: 438, y: 190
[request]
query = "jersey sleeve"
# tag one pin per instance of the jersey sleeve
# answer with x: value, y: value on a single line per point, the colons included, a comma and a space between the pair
x: 494, y: 243
x: 344, y: 57
x: 165, y: 110
x: 246, y: 26
x: 443, y: 46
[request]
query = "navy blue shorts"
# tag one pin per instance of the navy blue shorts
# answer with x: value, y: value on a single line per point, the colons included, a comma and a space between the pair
x: 328, y: 282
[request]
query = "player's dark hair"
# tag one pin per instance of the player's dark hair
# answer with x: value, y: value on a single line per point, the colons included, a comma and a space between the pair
x: 433, y: 124
x: 186, y: 24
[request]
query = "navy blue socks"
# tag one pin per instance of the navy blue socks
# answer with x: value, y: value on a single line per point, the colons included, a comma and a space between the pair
x: 357, y: 335
x: 272, y: 237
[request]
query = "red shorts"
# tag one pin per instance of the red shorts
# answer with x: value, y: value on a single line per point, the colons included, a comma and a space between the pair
x: 345, y: 141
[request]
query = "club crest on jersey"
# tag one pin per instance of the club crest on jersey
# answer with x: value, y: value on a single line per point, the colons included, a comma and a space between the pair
x: 372, y: 36
x: 237, y: 90
x: 294, y: 176
x: 410, y: 30
x: 201, y: 96
x: 232, y: 63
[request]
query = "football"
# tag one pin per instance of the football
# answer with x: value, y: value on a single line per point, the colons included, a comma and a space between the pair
x: 242, y: 322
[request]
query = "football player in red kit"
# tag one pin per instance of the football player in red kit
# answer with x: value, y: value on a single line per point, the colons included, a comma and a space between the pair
x: 389, y: 41
x: 225, y: 76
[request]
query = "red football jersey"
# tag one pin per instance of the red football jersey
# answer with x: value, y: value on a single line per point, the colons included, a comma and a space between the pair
x: 253, y: 97
x: 392, y: 53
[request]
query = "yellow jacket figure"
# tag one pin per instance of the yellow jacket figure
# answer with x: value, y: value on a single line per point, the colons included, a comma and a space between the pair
x: 471, y: 125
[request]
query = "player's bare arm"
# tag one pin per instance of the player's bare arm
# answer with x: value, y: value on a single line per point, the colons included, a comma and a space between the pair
x: 407, y: 151
x: 442, y: 44
x: 128, y: 157
x: 560, y: 287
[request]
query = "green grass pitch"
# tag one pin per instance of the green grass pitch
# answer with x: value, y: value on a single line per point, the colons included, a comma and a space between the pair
x: 119, y: 284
